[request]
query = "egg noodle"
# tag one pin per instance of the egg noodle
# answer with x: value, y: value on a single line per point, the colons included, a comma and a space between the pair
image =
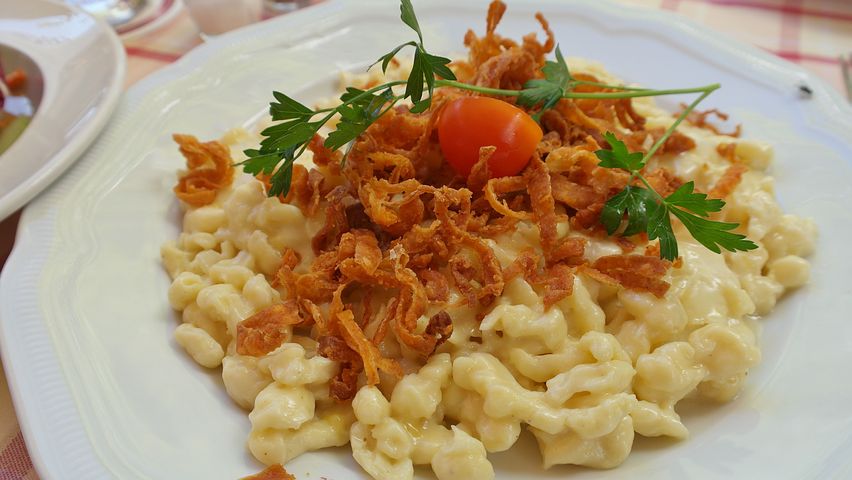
x: 426, y: 319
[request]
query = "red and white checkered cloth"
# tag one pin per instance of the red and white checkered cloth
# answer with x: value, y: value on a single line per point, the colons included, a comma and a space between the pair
x: 812, y: 33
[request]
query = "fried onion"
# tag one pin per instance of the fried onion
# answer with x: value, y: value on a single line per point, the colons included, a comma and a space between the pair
x: 209, y: 169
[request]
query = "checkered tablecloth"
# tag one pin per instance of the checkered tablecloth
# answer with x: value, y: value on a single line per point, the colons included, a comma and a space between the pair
x: 812, y: 33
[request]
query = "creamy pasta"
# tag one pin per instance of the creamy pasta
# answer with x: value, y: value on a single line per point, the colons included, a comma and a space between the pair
x: 584, y: 376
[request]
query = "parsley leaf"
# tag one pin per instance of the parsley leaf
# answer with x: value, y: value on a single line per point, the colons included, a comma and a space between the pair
x: 259, y: 162
x: 283, y: 141
x: 386, y: 58
x: 697, y: 203
x: 425, y: 66
x: 549, y: 90
x: 288, y: 134
x: 613, y: 210
x: 618, y: 156
x: 557, y: 71
x: 286, y: 108
x: 648, y: 212
x: 660, y: 226
x: 438, y: 66
x: 359, y: 109
x: 283, y: 177
x: 713, y: 234
x: 406, y: 13
x: 414, y: 87
x: 638, y: 202
x: 423, y: 71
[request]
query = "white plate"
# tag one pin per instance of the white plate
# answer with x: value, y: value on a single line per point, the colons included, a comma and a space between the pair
x: 83, y: 66
x: 103, y: 391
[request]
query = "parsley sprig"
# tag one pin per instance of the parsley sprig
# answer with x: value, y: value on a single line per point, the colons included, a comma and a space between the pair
x: 284, y: 142
x: 425, y: 66
x: 647, y: 211
x: 558, y: 83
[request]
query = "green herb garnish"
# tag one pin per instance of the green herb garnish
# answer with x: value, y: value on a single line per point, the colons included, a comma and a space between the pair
x: 646, y: 210
x: 425, y: 66
x: 548, y: 91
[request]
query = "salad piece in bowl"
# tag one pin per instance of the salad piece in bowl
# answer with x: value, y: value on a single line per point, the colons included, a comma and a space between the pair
x: 21, y: 91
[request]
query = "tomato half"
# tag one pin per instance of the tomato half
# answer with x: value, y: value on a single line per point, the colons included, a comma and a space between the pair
x: 468, y: 123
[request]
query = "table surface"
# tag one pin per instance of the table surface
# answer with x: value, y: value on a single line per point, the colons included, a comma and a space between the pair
x: 812, y: 33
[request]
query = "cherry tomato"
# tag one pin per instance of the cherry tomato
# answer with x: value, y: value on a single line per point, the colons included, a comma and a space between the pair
x: 468, y: 123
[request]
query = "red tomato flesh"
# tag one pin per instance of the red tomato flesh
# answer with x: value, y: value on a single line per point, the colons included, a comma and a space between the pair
x: 469, y: 123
